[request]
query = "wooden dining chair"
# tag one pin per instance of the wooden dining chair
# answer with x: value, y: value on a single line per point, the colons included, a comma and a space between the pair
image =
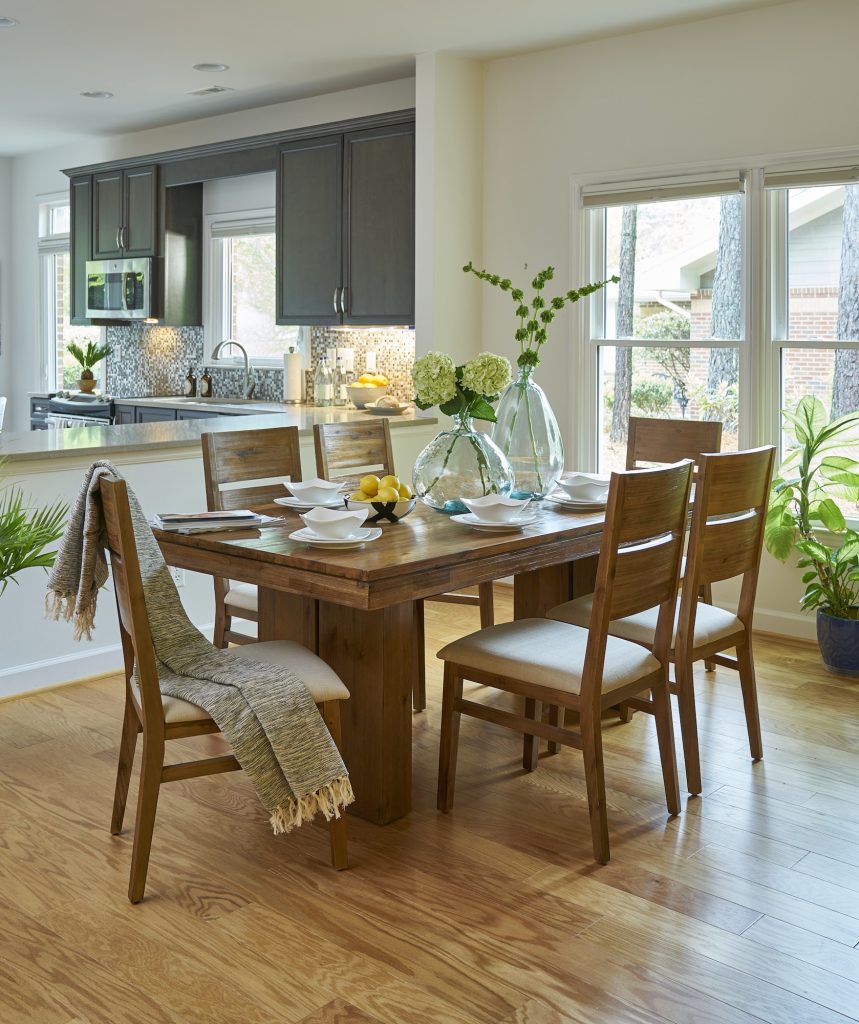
x: 725, y: 541
x: 244, y: 468
x: 564, y: 666
x: 349, y: 450
x: 162, y: 718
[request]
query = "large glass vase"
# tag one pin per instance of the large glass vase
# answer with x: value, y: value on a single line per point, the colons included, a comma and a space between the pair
x: 527, y: 432
x: 460, y: 463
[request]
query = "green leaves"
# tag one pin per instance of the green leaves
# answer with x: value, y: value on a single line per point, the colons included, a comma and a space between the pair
x: 25, y: 534
x: 94, y: 353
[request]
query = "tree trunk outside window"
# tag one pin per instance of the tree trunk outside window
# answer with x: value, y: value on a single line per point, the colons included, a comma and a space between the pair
x: 727, y: 314
x: 845, y: 384
x: 625, y: 307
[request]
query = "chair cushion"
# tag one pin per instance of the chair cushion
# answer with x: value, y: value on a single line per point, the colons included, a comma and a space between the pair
x: 711, y: 623
x: 321, y: 680
x: 242, y: 595
x: 548, y: 654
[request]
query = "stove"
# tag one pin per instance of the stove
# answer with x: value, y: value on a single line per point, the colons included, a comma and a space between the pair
x: 78, y: 409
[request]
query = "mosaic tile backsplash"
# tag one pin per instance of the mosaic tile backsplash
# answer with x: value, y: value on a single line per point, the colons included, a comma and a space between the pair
x: 150, y: 361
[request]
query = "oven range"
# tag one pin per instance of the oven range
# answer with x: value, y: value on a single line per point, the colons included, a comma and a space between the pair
x: 73, y: 410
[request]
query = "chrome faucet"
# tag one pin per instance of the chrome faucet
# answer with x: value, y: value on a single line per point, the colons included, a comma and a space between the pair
x: 250, y: 383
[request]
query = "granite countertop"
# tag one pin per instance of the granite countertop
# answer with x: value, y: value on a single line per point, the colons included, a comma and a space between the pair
x: 106, y: 441
x: 242, y: 406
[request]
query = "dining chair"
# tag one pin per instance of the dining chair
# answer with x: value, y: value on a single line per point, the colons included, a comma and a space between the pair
x: 353, y: 449
x: 244, y: 468
x: 545, y: 661
x: 725, y: 541
x: 161, y: 718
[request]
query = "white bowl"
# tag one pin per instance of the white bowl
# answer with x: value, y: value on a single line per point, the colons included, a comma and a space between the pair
x: 360, y: 394
x: 496, y: 508
x: 334, y: 524
x: 584, y: 486
x: 313, y: 491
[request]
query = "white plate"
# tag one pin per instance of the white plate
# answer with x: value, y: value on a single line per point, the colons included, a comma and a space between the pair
x: 296, y: 503
x: 385, y: 410
x: 469, y: 519
x: 574, y: 505
x: 362, y: 536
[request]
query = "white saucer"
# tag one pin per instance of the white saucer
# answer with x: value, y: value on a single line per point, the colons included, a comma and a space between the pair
x: 386, y: 410
x: 359, y: 537
x: 511, y: 526
x: 297, y: 503
x: 559, y: 498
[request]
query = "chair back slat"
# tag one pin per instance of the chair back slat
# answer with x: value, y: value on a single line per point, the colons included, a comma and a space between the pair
x: 345, y: 449
x: 263, y: 458
x: 643, y: 576
x: 653, y: 440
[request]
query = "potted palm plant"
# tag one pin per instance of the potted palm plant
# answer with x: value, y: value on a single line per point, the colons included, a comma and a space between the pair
x: 87, y: 358
x: 819, y: 468
x: 25, y: 533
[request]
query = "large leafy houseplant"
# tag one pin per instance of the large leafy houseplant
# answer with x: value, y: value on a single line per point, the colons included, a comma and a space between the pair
x: 87, y: 358
x: 820, y: 467
x: 26, y: 533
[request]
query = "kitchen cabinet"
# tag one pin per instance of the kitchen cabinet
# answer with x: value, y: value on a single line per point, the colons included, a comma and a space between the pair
x: 146, y: 414
x: 345, y: 228
x: 80, y: 245
x: 123, y: 415
x: 125, y: 213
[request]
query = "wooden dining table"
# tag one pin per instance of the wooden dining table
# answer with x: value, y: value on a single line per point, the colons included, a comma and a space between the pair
x: 361, y: 610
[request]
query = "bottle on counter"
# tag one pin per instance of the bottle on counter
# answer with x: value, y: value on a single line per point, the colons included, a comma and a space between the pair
x: 341, y: 382
x: 323, y: 383
x: 190, y: 388
x: 206, y: 389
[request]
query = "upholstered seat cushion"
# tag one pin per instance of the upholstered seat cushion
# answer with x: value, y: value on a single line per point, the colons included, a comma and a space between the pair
x: 242, y: 595
x: 711, y: 623
x: 321, y: 680
x: 548, y: 654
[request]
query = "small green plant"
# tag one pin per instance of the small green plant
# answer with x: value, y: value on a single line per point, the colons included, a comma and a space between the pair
x: 88, y: 357
x: 817, y: 470
x: 25, y: 533
x: 652, y: 397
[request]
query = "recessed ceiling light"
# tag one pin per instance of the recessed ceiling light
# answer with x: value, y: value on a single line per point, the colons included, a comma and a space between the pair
x: 211, y: 67
x: 98, y: 95
x: 7, y: 22
x: 211, y: 90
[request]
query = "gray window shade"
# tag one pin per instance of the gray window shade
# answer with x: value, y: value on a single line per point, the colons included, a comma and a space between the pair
x: 798, y: 178
x: 628, y: 193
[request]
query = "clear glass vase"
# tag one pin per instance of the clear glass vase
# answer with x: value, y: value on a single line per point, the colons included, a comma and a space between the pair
x: 460, y: 463
x: 527, y: 432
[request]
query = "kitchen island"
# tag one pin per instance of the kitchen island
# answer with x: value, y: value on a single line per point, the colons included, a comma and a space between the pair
x: 162, y: 462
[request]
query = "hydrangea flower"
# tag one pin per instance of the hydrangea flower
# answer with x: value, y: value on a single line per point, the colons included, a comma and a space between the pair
x: 434, y: 377
x: 486, y: 374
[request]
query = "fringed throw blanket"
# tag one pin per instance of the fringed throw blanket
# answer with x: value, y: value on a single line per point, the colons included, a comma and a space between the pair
x: 265, y: 712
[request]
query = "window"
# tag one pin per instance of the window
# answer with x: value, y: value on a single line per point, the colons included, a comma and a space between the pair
x: 241, y: 288
x: 59, y: 369
x: 668, y: 340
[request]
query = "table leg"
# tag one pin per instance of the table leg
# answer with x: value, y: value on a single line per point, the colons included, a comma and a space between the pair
x: 376, y: 654
x: 284, y: 616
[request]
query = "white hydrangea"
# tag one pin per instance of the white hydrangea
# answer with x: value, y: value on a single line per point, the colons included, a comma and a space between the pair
x: 434, y: 377
x: 486, y: 374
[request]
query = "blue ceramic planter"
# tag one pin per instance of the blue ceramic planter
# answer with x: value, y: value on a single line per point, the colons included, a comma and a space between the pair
x: 839, y: 644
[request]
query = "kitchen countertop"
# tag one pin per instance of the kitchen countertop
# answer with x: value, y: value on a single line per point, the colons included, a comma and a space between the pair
x: 219, y: 405
x: 104, y: 442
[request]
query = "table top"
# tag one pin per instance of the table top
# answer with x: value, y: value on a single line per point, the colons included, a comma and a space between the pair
x: 422, y: 555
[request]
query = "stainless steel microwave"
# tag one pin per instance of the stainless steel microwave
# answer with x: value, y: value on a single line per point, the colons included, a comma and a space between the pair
x: 119, y: 289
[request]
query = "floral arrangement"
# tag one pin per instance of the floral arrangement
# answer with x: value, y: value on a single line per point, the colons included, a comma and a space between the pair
x: 465, y: 391
x: 534, y: 319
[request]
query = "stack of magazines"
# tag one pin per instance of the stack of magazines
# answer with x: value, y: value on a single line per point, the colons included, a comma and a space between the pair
x: 205, y: 522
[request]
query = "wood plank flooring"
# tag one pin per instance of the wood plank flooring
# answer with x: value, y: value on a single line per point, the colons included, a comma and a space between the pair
x: 743, y: 909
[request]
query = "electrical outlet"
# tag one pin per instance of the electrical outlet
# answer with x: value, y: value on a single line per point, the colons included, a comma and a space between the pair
x: 178, y: 576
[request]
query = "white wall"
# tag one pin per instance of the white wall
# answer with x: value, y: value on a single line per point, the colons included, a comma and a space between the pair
x: 41, y: 173
x: 5, y: 274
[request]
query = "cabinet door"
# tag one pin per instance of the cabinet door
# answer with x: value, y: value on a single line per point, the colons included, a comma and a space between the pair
x: 146, y: 414
x: 380, y: 226
x: 309, y: 237
x: 140, y: 220
x: 107, y: 209
x: 80, y: 241
x: 124, y: 414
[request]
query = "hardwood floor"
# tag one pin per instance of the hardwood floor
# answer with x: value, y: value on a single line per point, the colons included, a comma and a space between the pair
x: 743, y: 909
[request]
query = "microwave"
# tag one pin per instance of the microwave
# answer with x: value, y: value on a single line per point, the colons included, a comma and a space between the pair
x: 119, y: 289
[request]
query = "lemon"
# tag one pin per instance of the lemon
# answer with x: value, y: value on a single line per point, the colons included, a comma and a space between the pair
x: 406, y: 491
x: 360, y: 496
x: 388, y: 494
x: 369, y: 484
x: 390, y: 481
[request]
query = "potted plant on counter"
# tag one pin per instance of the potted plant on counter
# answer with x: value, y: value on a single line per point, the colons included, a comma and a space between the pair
x: 819, y: 468
x: 88, y: 358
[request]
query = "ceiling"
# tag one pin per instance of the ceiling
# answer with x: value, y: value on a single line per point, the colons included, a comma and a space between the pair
x: 277, y: 50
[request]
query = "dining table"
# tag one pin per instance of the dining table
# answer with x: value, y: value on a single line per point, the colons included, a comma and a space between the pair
x: 361, y: 610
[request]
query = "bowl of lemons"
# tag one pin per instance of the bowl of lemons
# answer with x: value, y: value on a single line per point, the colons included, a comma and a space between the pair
x: 389, y: 497
x: 367, y: 388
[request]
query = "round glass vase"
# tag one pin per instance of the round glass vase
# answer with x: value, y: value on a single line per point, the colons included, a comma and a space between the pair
x: 527, y: 432
x: 460, y: 463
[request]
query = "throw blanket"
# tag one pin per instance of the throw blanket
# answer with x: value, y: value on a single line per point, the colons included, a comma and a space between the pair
x: 265, y: 712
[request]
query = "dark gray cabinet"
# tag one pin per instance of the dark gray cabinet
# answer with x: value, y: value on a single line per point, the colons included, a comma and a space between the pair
x: 345, y: 228
x: 125, y: 213
x: 80, y: 245
x: 146, y: 414
x: 123, y: 414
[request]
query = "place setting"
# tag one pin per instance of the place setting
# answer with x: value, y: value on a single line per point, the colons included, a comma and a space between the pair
x: 308, y: 494
x: 337, y: 529
x: 581, y: 492
x: 496, y: 513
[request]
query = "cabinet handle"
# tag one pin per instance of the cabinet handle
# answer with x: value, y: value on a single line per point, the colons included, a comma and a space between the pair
x: 118, y: 246
x: 336, y: 310
x: 122, y: 237
x: 343, y: 299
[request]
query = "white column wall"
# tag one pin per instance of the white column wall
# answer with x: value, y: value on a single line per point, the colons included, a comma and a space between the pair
x: 5, y: 276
